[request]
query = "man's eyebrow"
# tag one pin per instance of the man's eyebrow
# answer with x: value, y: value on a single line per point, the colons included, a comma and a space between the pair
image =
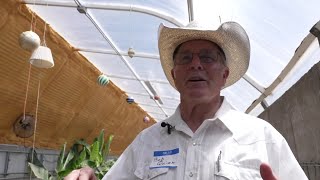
x: 184, y: 51
x: 200, y: 51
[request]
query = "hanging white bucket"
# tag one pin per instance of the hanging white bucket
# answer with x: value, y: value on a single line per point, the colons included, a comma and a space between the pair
x: 42, y: 57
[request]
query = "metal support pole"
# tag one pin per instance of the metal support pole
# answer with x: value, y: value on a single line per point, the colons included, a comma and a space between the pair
x: 6, y: 164
x: 190, y: 10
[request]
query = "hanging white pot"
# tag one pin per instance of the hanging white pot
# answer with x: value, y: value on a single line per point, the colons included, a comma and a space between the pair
x: 29, y: 40
x: 42, y: 57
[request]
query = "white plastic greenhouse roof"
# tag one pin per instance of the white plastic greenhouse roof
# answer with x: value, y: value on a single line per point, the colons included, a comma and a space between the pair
x: 282, y: 48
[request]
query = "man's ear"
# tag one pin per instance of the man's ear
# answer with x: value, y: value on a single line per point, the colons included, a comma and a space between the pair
x: 172, y: 74
x: 226, y: 73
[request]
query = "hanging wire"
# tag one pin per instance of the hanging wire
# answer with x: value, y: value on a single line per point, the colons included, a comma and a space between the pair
x: 32, y: 27
x: 26, y: 97
x: 35, y: 126
x: 131, y: 28
x: 25, y: 100
x: 44, y: 32
x: 31, y: 22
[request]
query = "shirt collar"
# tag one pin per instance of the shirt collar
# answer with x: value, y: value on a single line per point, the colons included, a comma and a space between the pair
x: 234, y: 121
x: 224, y: 108
x: 237, y: 122
x: 180, y: 125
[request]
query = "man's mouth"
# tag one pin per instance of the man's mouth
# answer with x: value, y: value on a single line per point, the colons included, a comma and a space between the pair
x: 196, y: 79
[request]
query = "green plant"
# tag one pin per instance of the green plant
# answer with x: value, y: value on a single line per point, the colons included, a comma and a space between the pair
x: 81, y: 154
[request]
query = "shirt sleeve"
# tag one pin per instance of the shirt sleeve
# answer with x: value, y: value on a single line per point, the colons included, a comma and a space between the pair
x: 124, y: 167
x: 289, y: 167
x: 281, y: 158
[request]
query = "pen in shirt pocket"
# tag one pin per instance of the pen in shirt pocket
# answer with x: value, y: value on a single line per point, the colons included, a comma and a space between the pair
x: 219, y: 161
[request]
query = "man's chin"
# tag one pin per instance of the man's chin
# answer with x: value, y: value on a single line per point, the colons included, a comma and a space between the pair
x: 198, y: 96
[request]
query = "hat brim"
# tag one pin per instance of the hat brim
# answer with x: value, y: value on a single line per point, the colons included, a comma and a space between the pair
x: 230, y: 36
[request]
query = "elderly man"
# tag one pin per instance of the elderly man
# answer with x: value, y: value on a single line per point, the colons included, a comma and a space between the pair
x: 206, y: 138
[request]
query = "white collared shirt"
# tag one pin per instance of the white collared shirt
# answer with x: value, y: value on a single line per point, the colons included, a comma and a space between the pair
x: 231, y: 145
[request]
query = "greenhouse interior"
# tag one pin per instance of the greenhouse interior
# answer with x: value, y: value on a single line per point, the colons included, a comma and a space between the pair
x: 103, y: 81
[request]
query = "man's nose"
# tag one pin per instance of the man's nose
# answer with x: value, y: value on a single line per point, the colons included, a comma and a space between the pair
x: 196, y: 62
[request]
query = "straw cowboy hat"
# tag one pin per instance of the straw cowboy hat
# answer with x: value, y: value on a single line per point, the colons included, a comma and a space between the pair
x: 230, y: 36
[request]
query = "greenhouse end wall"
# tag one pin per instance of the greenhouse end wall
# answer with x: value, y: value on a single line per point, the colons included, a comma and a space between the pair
x: 296, y: 115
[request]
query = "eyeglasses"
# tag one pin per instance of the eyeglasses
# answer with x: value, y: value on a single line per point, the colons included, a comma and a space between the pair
x: 205, y: 57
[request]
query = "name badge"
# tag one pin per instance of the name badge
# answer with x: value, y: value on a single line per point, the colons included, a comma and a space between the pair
x: 165, y: 159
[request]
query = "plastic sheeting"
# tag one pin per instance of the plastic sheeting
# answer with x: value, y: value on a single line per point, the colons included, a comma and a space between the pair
x: 276, y: 29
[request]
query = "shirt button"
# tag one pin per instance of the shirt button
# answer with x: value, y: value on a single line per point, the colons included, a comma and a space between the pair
x: 190, y: 174
x: 194, y: 144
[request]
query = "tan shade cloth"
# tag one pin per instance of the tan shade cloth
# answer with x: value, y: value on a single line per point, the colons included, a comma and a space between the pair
x: 71, y: 105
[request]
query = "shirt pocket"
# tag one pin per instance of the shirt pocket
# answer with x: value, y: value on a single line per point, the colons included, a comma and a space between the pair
x: 231, y: 171
x: 154, y: 174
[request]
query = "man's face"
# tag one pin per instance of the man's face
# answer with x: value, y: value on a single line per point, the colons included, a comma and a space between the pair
x: 199, y: 71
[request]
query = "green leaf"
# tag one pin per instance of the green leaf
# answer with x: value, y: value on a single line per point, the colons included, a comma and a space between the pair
x: 108, y: 164
x: 39, y: 172
x: 84, y: 144
x: 76, y: 150
x: 92, y: 164
x: 64, y: 173
x: 106, y: 150
x: 84, y: 163
x: 53, y: 178
x: 68, y: 159
x: 99, y: 172
x: 101, y: 140
x: 87, y: 163
x: 74, y: 162
x: 94, y: 155
x: 103, y: 169
x: 82, y: 156
x: 34, y: 160
x: 60, y: 162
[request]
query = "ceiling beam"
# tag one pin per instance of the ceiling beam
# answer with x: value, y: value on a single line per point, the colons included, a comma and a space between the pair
x: 110, y: 6
x: 147, y: 95
x: 296, y: 57
x: 116, y: 49
x: 141, y: 79
x: 112, y: 52
x: 151, y: 105
x: 135, y: 8
x: 190, y: 10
